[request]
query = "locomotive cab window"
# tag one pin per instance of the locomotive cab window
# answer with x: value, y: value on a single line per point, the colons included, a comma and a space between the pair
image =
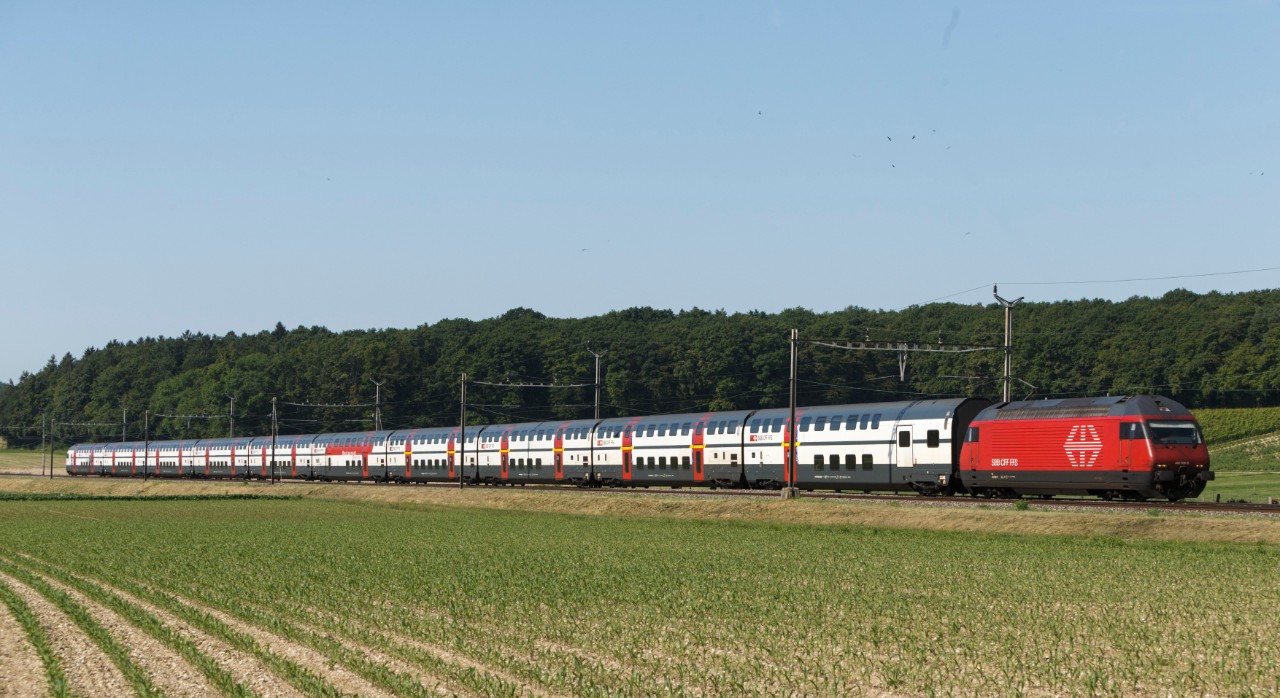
x: 1130, y: 430
x: 1174, y: 433
x: 971, y: 435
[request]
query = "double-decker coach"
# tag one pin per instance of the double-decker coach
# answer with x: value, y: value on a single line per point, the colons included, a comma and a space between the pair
x: 896, y: 446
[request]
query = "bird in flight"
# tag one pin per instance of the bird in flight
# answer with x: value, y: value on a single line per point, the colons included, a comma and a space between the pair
x: 890, y: 138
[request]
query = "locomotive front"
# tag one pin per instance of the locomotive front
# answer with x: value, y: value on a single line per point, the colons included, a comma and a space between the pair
x: 1177, y: 454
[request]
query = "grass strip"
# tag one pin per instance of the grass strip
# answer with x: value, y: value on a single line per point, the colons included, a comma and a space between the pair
x: 118, y: 654
x: 78, y: 497
x: 140, y: 618
x: 57, y: 678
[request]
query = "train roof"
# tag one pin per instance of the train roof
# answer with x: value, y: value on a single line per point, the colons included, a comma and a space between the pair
x: 914, y: 409
x: 1110, y: 406
x: 616, y: 422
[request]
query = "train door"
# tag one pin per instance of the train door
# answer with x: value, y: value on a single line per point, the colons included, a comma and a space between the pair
x: 1129, y: 431
x: 626, y: 452
x: 558, y: 454
x: 699, y: 444
x: 906, y: 451
x: 504, y: 457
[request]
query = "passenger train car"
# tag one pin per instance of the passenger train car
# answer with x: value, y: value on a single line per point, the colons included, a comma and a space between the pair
x: 1152, y: 448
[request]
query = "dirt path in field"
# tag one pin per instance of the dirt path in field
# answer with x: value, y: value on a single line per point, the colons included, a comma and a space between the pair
x: 342, y: 679
x: 21, y: 671
x: 168, y: 670
x: 243, y: 667
x: 89, y: 670
x: 426, y: 679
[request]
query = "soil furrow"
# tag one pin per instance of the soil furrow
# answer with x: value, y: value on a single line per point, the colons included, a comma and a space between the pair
x: 443, y: 654
x: 169, y: 671
x: 89, y: 670
x: 244, y: 667
x: 342, y: 679
x: 21, y: 671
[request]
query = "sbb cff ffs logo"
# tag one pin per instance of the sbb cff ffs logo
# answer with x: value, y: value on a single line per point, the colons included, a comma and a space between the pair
x: 1083, y: 446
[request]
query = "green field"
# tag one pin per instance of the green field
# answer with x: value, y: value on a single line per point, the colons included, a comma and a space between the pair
x: 418, y: 598
x: 30, y: 462
x: 1258, y: 488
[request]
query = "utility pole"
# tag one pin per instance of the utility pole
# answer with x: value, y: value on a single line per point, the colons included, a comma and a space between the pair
x: 124, y: 423
x: 377, y: 405
x: 275, y: 428
x: 52, y: 424
x: 791, y: 424
x: 231, y: 417
x: 462, y: 440
x: 146, y: 442
x: 1008, y: 340
x: 42, y: 440
x: 597, y: 413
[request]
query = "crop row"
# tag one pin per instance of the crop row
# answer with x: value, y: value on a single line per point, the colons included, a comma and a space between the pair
x: 515, y: 603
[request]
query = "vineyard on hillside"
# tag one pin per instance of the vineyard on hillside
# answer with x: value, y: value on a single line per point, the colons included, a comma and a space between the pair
x: 1242, y: 438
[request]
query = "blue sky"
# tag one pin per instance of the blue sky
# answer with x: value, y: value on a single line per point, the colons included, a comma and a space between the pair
x: 223, y: 166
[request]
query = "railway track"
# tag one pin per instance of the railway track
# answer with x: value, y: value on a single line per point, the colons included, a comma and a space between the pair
x: 1037, y: 504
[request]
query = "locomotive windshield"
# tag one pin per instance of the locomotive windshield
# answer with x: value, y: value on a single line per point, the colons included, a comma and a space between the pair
x: 1174, y: 433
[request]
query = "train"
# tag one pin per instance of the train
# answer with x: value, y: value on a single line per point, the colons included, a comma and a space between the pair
x: 1134, y: 447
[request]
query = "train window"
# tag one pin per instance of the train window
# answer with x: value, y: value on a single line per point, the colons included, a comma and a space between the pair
x: 777, y: 425
x: 733, y: 426
x: 1130, y: 430
x: 653, y: 428
x: 904, y: 438
x: 804, y: 423
x: 850, y: 461
x: 866, y: 461
x: 821, y: 424
x: 931, y: 438
x: 684, y: 429
x: 875, y: 421
x: 755, y: 426
x: 971, y: 435
x: 818, y: 462
x: 662, y: 430
x: 685, y: 462
x: 700, y: 428
x: 1174, y: 433
x: 836, y: 421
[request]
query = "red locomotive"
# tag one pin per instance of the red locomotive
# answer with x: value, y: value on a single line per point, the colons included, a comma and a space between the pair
x: 1134, y: 447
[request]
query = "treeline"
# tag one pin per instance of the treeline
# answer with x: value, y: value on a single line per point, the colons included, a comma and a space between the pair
x: 1204, y: 350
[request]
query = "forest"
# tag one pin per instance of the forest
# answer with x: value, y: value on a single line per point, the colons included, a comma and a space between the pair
x: 1204, y: 350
